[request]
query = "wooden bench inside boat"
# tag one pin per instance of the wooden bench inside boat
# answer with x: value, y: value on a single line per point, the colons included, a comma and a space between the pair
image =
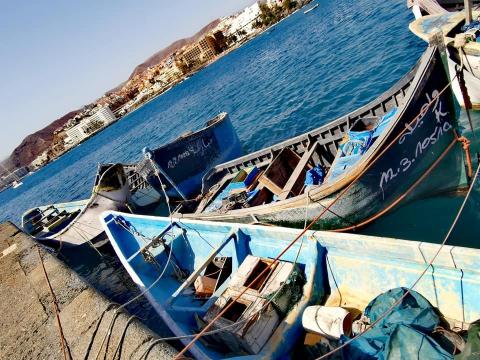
x: 297, y: 178
x: 279, y: 172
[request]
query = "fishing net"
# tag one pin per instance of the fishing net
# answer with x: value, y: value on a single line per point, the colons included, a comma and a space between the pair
x: 290, y: 293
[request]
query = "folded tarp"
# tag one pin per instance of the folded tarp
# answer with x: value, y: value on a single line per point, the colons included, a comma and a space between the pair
x: 404, y: 333
x: 357, y: 143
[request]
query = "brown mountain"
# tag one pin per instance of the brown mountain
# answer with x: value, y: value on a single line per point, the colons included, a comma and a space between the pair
x: 36, y: 143
x: 164, y: 53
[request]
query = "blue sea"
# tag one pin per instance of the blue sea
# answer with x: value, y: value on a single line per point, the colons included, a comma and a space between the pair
x: 304, y: 72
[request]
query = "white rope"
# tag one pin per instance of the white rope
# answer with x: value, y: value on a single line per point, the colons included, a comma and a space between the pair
x: 135, y: 298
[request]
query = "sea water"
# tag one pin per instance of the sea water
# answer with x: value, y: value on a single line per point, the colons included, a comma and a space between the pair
x: 300, y: 74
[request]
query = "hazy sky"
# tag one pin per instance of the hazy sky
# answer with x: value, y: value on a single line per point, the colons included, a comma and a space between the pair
x: 56, y: 56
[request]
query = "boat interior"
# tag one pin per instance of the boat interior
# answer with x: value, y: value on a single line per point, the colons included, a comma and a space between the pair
x: 209, y: 264
x: 46, y: 221
x: 144, y: 199
x: 291, y: 170
x: 313, y: 160
x: 207, y: 270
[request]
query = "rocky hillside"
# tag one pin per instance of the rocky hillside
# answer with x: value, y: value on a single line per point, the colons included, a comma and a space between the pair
x: 164, y: 53
x: 36, y: 143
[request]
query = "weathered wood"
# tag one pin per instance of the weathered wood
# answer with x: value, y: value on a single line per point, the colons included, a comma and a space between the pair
x: 432, y: 7
x: 299, y: 170
x: 468, y: 11
x: 277, y: 173
x: 191, y: 279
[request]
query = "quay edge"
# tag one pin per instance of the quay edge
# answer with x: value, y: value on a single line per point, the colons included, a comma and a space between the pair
x: 28, y: 329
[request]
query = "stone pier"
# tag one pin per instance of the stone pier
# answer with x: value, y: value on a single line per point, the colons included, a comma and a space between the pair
x: 28, y: 326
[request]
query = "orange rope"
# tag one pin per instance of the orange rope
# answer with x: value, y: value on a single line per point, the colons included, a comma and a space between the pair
x: 466, y: 146
x: 401, y: 197
x: 221, y: 313
x: 430, y: 264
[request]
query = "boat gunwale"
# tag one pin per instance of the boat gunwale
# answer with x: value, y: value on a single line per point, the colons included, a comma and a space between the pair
x: 413, y: 79
x: 89, y: 201
x: 215, y: 121
x: 317, y: 234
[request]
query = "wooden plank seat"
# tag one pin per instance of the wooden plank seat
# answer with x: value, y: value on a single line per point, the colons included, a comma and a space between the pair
x: 293, y: 183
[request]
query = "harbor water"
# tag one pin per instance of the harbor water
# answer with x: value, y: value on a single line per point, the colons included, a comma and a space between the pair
x: 300, y: 74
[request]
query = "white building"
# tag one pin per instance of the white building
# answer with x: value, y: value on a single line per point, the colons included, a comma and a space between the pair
x: 104, y: 114
x: 90, y: 125
x: 243, y: 21
x: 76, y: 134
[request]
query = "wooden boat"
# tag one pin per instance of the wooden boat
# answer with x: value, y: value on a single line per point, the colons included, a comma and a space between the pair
x: 182, y: 163
x: 398, y: 149
x: 449, y: 17
x: 189, y: 270
x: 436, y: 7
x: 76, y: 223
x: 219, y: 259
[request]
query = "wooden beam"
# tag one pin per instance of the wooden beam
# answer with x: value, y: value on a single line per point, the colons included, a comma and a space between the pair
x: 468, y: 11
x: 196, y: 273
x: 292, y: 180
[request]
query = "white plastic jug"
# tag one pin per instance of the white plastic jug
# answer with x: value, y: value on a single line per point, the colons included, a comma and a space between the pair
x: 329, y: 321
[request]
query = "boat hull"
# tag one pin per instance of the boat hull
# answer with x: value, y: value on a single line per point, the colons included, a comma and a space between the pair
x: 471, y: 78
x: 186, y: 160
x: 423, y: 132
x: 197, y: 239
x: 426, y: 28
x: 347, y: 270
x: 81, y: 224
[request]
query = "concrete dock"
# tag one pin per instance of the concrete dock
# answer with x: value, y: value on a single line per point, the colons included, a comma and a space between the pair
x: 29, y: 327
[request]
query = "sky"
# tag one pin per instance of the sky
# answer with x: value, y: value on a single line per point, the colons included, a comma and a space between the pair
x: 56, y: 55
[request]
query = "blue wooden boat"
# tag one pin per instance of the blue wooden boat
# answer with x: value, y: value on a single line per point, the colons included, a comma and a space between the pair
x: 169, y: 259
x: 182, y: 163
x: 390, y: 145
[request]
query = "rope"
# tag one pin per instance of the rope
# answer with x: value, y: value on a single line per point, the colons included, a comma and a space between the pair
x: 94, y: 334
x: 465, y: 95
x: 402, y: 196
x: 119, y: 347
x: 120, y: 307
x: 466, y: 147
x: 108, y: 334
x: 212, y: 332
x: 85, y: 238
x: 63, y: 341
x: 430, y: 264
x: 245, y: 289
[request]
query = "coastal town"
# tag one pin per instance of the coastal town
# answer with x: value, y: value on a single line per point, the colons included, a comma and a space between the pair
x: 223, y: 36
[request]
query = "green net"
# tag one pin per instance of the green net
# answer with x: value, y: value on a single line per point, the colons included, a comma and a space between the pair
x: 290, y: 292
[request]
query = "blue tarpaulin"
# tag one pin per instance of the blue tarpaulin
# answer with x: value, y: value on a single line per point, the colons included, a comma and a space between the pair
x: 358, y: 142
x: 402, y: 334
x: 315, y: 176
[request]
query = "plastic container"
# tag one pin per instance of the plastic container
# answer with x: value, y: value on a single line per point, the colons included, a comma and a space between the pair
x: 329, y: 321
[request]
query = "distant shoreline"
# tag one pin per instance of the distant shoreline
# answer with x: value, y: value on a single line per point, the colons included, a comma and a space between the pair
x: 182, y: 79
